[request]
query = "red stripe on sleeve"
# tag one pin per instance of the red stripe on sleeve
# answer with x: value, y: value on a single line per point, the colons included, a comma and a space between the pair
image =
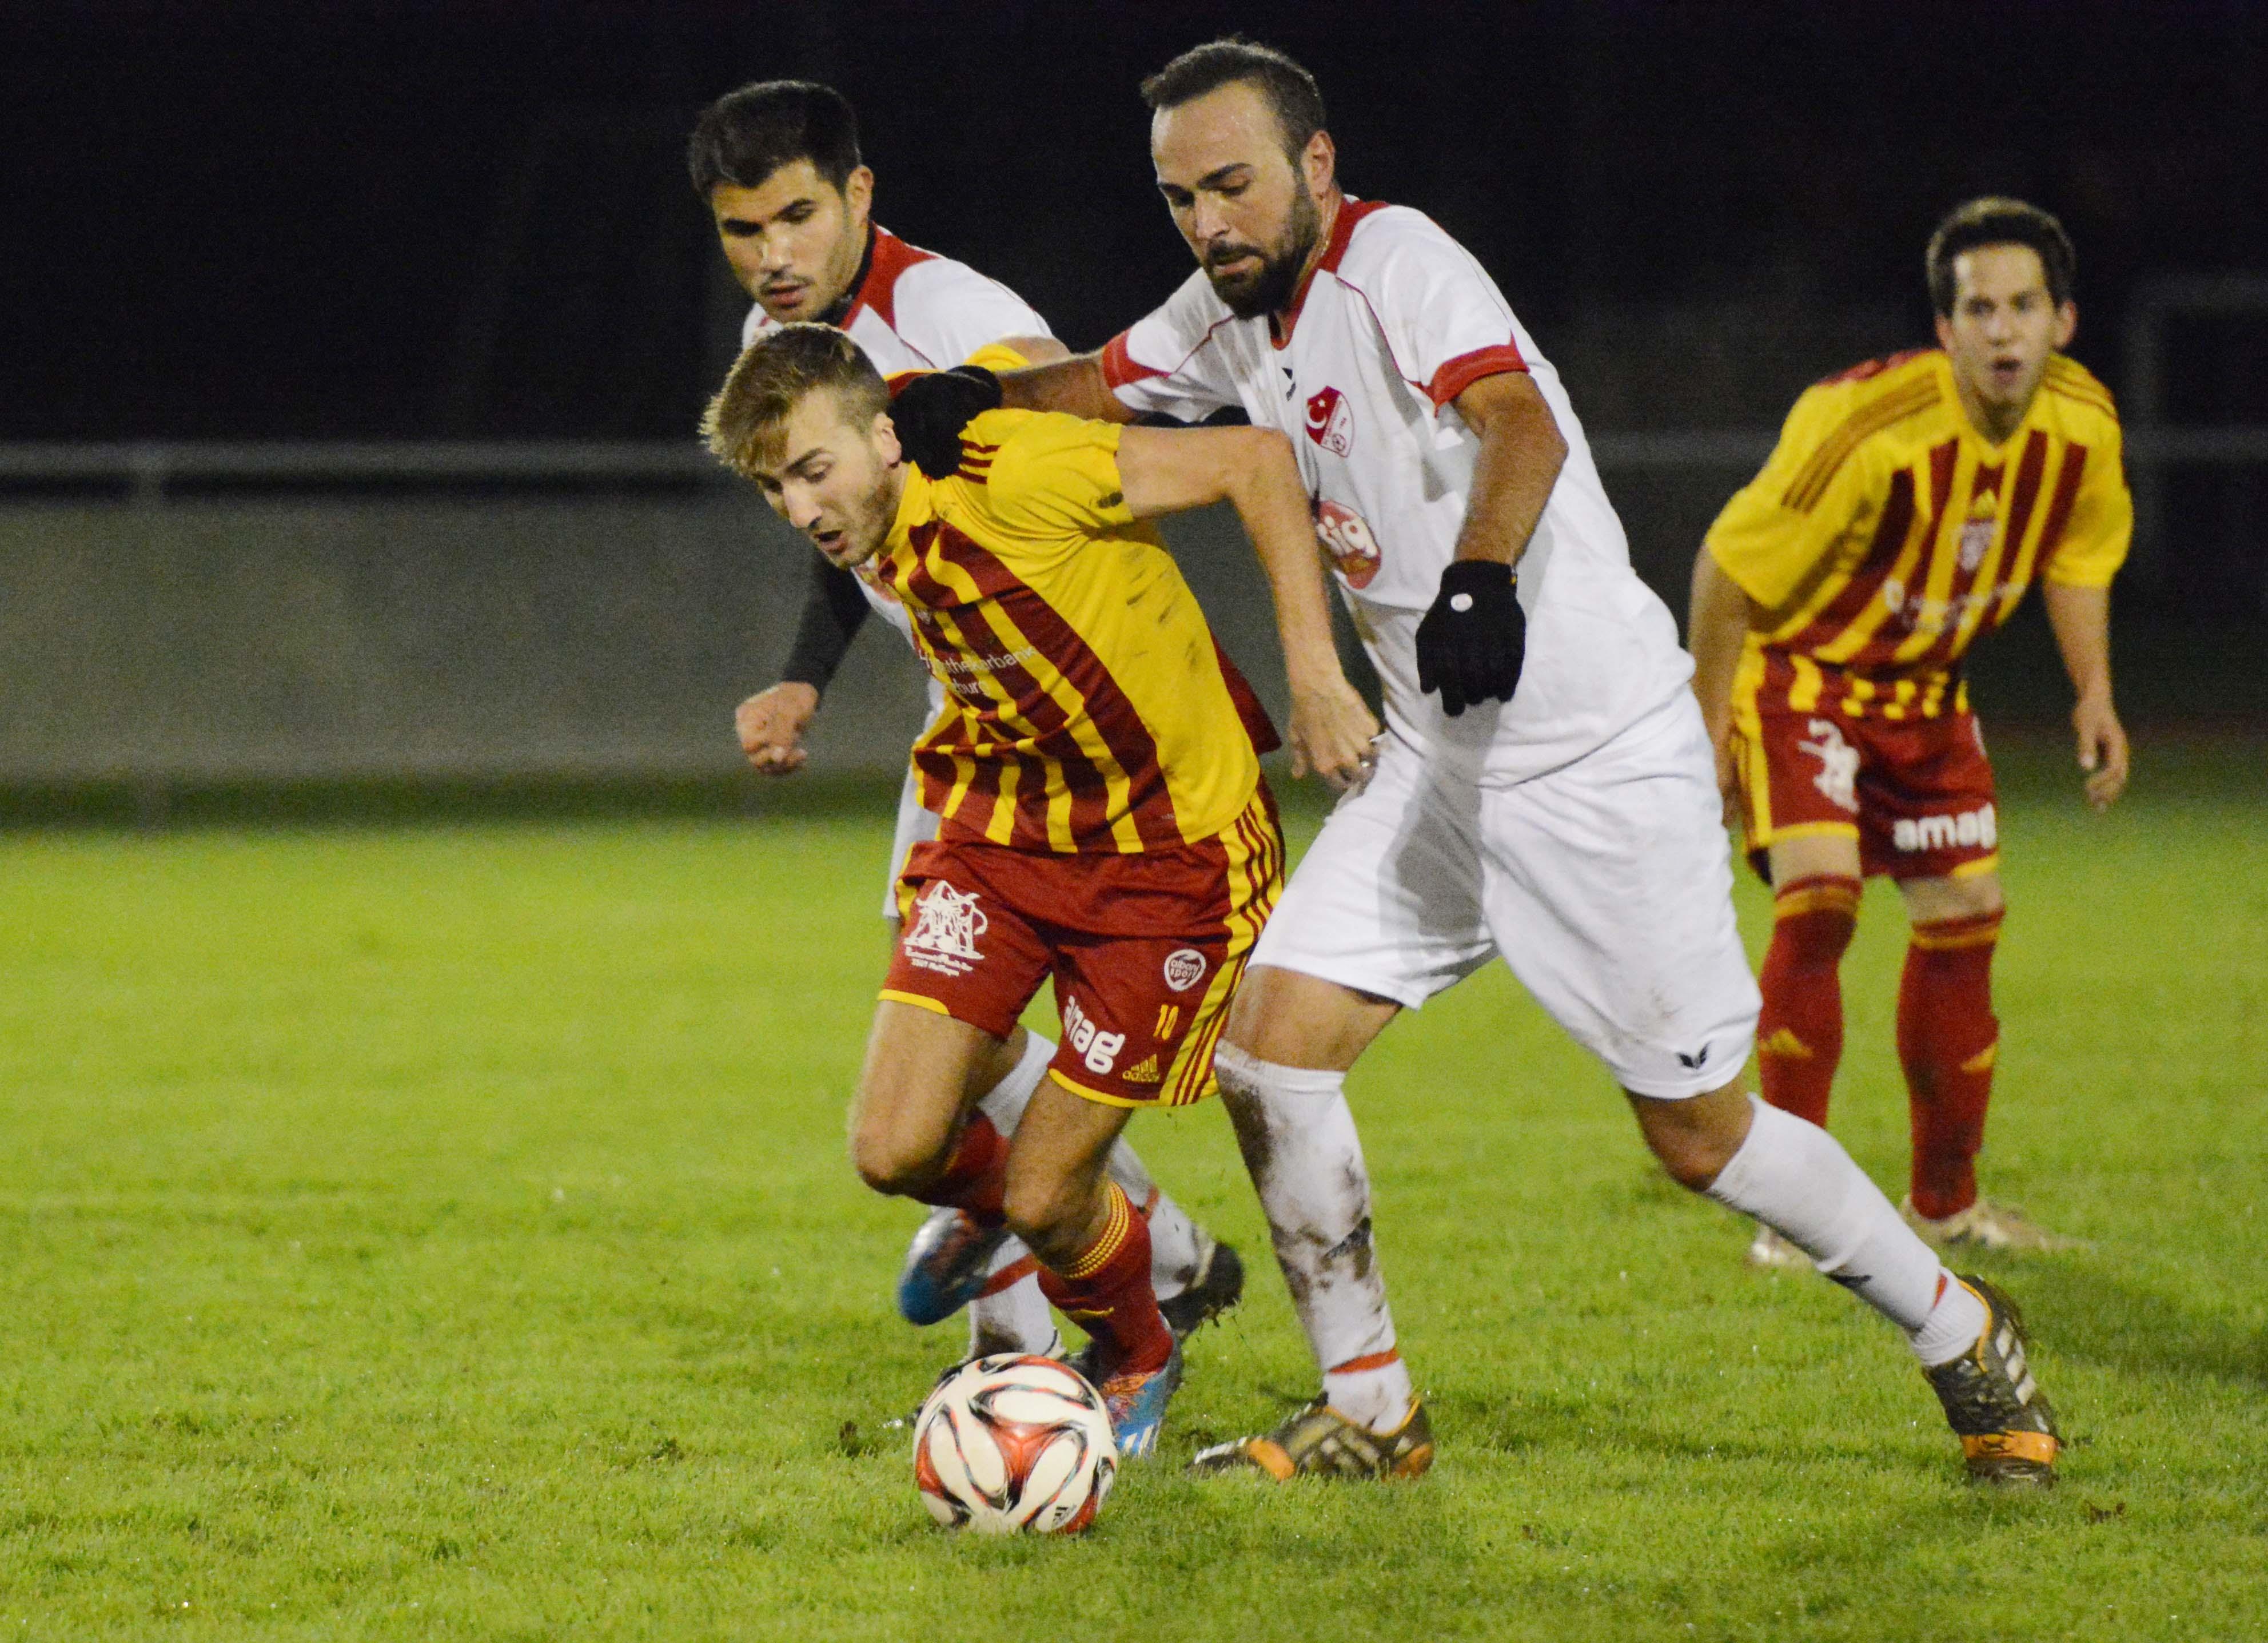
x: 1120, y: 367
x: 1461, y: 373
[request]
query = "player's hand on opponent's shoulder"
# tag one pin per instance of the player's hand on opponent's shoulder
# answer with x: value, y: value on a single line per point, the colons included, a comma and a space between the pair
x: 1472, y: 640
x: 2103, y: 750
x: 1332, y: 730
x: 930, y: 412
x: 770, y: 725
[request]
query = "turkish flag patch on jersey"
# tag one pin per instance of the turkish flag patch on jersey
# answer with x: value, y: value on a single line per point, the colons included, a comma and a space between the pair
x: 1330, y: 421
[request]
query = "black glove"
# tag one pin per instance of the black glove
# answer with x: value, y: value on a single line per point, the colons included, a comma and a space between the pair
x: 930, y: 412
x: 1471, y: 641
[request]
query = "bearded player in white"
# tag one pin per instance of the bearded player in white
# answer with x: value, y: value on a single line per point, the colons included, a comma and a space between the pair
x: 778, y: 165
x: 1544, y: 790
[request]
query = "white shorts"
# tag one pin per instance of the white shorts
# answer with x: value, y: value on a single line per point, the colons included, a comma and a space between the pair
x: 916, y: 826
x: 1606, y: 885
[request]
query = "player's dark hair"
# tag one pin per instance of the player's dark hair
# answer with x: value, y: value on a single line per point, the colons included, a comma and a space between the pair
x: 1997, y: 220
x: 745, y: 136
x: 1291, y: 91
x: 746, y: 422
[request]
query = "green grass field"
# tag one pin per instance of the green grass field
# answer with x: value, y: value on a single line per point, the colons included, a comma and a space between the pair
x: 445, y: 1231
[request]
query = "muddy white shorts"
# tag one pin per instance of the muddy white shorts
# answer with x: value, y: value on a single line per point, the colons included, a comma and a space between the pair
x: 1606, y: 885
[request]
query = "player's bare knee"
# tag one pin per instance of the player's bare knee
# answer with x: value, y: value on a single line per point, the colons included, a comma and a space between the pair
x: 1695, y: 1138
x: 893, y: 1162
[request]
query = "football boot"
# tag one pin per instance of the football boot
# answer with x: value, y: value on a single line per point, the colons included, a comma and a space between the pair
x: 1321, y: 1442
x: 1137, y: 1399
x: 945, y: 1264
x: 1218, y: 1286
x: 2007, y: 1431
x: 1985, y: 1225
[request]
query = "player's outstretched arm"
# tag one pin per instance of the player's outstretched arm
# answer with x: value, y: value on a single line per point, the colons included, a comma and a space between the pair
x: 1164, y: 471
x: 2081, y: 617
x: 1715, y: 627
x: 1073, y: 384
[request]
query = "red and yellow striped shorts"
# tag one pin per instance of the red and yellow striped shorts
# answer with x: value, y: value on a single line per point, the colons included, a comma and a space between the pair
x: 1145, y: 949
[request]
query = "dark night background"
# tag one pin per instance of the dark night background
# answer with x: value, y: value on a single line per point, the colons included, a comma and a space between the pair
x: 314, y: 223
x: 294, y: 222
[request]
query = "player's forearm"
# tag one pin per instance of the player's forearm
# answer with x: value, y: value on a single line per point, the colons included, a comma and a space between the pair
x: 1271, y: 503
x: 834, y: 610
x: 1521, y: 454
x: 2080, y: 619
x: 1075, y: 385
x: 1716, y: 629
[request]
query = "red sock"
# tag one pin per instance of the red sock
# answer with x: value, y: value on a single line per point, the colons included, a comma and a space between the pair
x: 1800, y: 1034
x: 977, y: 1180
x: 1106, y: 1290
x: 1947, y: 1038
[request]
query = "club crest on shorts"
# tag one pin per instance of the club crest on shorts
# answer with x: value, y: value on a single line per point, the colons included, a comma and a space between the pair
x: 1330, y: 421
x: 1185, y: 968
x: 1347, y: 538
x: 1838, y: 764
x: 946, y: 924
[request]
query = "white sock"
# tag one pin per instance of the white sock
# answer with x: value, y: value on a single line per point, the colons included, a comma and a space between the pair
x: 1797, y: 1179
x: 1016, y: 1319
x: 1005, y: 1102
x: 1301, y: 1148
x: 1955, y: 1323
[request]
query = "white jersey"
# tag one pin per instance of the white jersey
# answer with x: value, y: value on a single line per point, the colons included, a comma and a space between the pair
x: 1397, y: 320
x: 914, y: 310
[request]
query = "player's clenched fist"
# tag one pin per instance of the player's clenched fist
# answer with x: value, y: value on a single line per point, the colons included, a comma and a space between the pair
x: 1471, y: 643
x: 770, y: 725
x: 1332, y: 730
x: 930, y: 412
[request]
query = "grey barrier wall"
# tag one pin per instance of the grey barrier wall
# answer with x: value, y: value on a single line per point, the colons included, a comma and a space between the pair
x: 307, y: 639
x: 322, y: 635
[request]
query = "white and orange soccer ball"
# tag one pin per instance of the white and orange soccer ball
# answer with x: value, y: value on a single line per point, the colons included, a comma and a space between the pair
x: 1011, y: 1445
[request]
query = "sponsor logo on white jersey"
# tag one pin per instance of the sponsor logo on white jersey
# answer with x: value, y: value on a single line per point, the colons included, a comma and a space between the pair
x: 1838, y: 764
x: 1097, y: 1049
x: 1970, y: 830
x: 1185, y: 968
x: 1330, y: 421
x: 1353, y: 550
x: 946, y: 924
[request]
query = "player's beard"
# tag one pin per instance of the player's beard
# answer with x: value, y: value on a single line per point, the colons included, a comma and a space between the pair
x: 1269, y: 287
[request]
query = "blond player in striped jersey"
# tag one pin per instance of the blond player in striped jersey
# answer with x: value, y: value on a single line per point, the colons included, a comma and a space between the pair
x: 778, y: 165
x: 1910, y: 504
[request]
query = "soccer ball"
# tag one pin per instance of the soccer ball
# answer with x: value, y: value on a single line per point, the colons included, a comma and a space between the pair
x: 1011, y: 1445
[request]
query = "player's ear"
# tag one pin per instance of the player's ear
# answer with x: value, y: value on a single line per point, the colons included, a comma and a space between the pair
x: 1945, y: 332
x: 884, y: 437
x: 2066, y: 323
x: 1319, y: 164
x: 858, y: 191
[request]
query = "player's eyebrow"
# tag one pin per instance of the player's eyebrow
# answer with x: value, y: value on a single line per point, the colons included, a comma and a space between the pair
x: 749, y: 224
x: 1223, y: 175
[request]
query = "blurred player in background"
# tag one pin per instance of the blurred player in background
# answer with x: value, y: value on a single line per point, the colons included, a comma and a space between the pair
x: 1097, y: 778
x: 1909, y: 504
x: 1543, y: 792
x: 778, y: 165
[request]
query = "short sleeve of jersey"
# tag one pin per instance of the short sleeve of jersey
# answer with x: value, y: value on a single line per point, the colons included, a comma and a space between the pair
x: 2102, y: 527
x: 1053, y: 481
x: 1161, y: 363
x: 946, y: 311
x: 1444, y: 319
x: 1763, y: 543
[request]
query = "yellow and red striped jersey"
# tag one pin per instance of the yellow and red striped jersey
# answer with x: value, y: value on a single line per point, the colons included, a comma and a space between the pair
x: 1884, y: 535
x: 1088, y: 707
